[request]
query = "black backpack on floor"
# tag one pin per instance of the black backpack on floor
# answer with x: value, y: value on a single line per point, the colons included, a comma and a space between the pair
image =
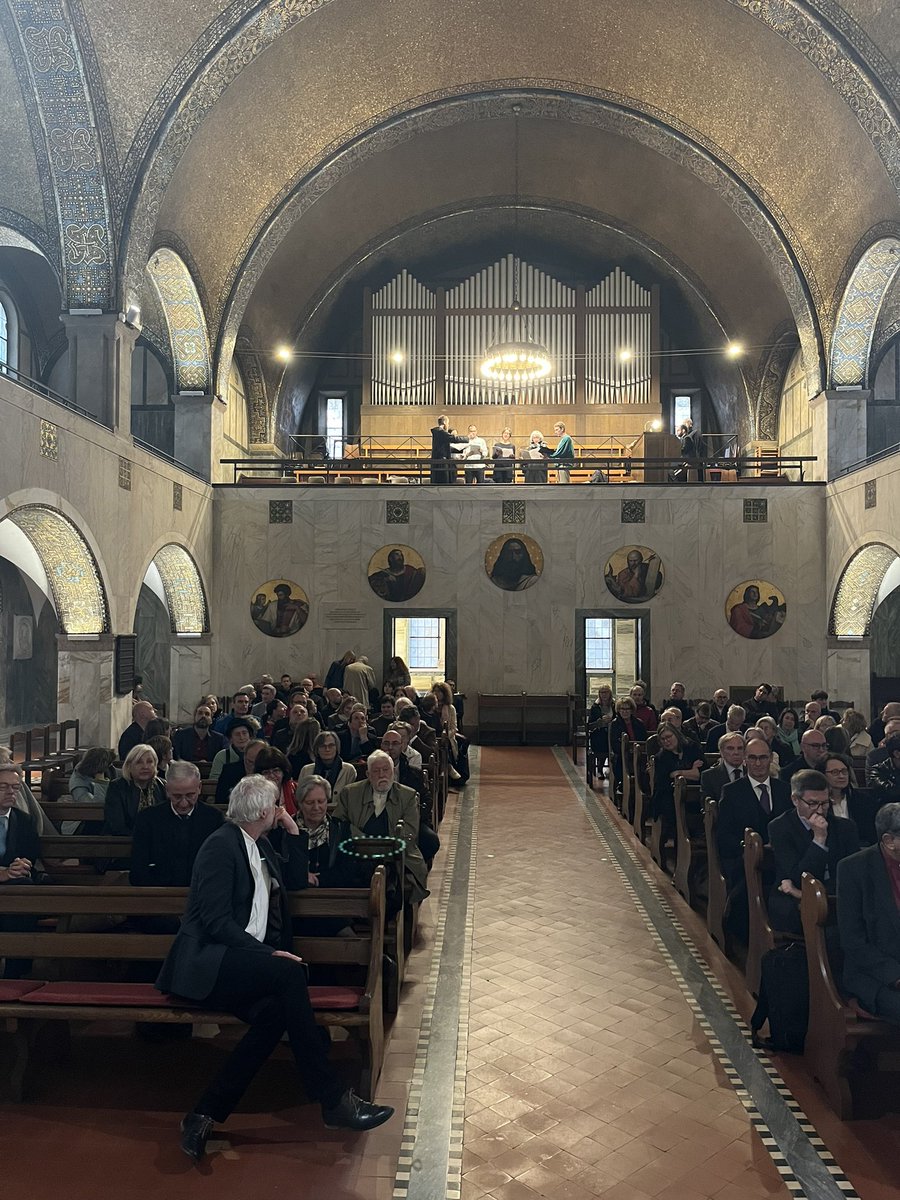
x: 784, y: 998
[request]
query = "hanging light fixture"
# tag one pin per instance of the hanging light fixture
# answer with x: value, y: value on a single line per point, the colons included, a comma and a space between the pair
x: 517, y: 358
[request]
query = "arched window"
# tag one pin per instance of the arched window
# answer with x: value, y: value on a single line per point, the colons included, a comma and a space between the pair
x: 794, y: 413
x: 9, y: 332
x: 235, y: 424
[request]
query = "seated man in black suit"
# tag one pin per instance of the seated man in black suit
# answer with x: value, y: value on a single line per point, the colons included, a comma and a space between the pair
x: 168, y: 837
x: 735, y: 722
x: 385, y: 717
x: 729, y: 768
x: 813, y: 752
x: 868, y: 908
x: 675, y: 699
x: 750, y: 803
x: 807, y: 838
x: 20, y: 849
x: 234, y: 771
x: 198, y: 742
x: 233, y: 952
x: 879, y: 753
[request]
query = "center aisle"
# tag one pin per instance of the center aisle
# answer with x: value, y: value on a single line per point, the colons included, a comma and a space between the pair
x: 588, y: 1073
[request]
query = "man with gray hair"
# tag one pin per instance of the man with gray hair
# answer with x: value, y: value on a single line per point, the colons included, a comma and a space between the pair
x: 735, y: 720
x: 868, y: 908
x: 729, y: 769
x: 167, y: 837
x: 233, y: 952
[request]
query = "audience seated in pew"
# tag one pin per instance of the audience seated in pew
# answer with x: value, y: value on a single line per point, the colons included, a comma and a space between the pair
x: 837, y: 740
x: 859, y: 743
x: 385, y: 716
x: 599, y: 718
x: 198, y: 742
x: 240, y: 732
x: 644, y: 711
x: 92, y: 775
x: 868, y: 910
x: 884, y: 775
x: 340, y: 718
x: 678, y: 758
x: 676, y: 699
x: 139, y: 788
x: 718, y: 706
x: 274, y: 766
x: 162, y: 748
x: 422, y: 736
x: 848, y: 800
x: 25, y: 801
x: 809, y: 837
x: 624, y: 723
x: 750, y: 803
x: 357, y: 738
x: 404, y: 773
x: 880, y: 753
x: 410, y: 753
x: 240, y: 707
x: 735, y: 722
x: 232, y: 772
x: 296, y: 738
x: 763, y: 703
x: 20, y: 853
x: 378, y: 807
x: 813, y: 752
x: 698, y: 726
x: 328, y: 764
x: 787, y: 736
x: 728, y: 769
x: 141, y: 714
x: 327, y: 867
x: 167, y: 837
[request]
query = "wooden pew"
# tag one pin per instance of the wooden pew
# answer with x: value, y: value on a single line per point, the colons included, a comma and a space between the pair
x: 843, y: 1043
x: 623, y: 789
x: 690, y: 844
x: 357, y: 1009
x: 655, y: 841
x: 718, y: 901
x: 761, y: 937
x: 641, y: 784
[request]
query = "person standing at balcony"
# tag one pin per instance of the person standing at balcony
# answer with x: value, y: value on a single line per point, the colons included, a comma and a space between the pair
x: 563, y: 455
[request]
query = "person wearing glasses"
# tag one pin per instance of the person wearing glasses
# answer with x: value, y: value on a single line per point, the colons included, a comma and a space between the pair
x: 813, y: 752
x: 847, y: 800
x: 749, y: 803
x: 809, y: 837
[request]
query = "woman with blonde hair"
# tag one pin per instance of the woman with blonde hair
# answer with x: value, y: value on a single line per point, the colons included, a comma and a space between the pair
x: 459, y: 764
x: 139, y: 788
x: 853, y: 724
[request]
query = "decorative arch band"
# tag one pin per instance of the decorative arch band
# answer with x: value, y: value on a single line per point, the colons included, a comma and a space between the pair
x: 185, y: 320
x: 185, y: 595
x: 860, y: 307
x: 857, y: 590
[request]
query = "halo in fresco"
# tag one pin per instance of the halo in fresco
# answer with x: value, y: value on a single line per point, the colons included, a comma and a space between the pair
x: 755, y: 609
x: 514, y: 562
x: 279, y: 608
x: 396, y: 573
x: 634, y: 574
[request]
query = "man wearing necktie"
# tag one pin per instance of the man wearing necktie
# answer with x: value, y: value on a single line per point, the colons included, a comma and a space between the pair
x: 729, y: 768
x: 749, y: 803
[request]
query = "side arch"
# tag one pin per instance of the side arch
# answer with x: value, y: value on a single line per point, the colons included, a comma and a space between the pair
x: 184, y: 590
x: 861, y: 304
x: 73, y: 574
x: 856, y: 595
x: 180, y: 303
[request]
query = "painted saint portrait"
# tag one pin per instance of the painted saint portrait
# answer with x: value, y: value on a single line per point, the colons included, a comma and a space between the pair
x: 396, y: 573
x: 514, y: 562
x: 279, y: 608
x: 755, y: 609
x: 634, y: 574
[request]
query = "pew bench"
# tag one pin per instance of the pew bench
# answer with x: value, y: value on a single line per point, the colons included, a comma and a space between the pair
x: 761, y: 937
x: 718, y: 901
x: 26, y: 1004
x: 690, y: 841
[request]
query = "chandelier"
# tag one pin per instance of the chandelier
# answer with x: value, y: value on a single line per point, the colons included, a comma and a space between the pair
x: 517, y: 358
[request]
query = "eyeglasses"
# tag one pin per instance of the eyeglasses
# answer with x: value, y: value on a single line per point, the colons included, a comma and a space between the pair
x: 838, y: 771
x: 821, y: 805
x: 9, y: 787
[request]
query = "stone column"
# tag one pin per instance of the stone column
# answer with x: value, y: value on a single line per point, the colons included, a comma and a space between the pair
x: 848, y: 670
x: 86, y: 689
x: 839, y: 430
x: 189, y: 677
x: 198, y: 433
x: 99, y: 361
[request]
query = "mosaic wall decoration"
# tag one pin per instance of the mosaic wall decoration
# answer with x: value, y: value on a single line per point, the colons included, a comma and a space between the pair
x: 279, y: 608
x: 634, y: 574
x: 281, y: 512
x: 177, y: 497
x: 124, y: 474
x: 514, y: 562
x: 396, y: 573
x: 871, y: 493
x: 185, y: 597
x: 396, y: 512
x: 49, y: 441
x: 72, y: 572
x: 634, y: 512
x: 756, y: 512
x: 755, y: 609
x: 50, y: 58
x: 854, y: 601
x: 184, y: 317
x: 513, y: 512
x: 858, y: 313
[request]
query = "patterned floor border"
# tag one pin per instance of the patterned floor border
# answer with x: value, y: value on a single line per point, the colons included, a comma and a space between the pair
x: 409, y: 1163
x: 780, y: 1154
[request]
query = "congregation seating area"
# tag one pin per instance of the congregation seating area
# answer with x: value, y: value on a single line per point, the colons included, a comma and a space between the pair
x: 851, y: 1054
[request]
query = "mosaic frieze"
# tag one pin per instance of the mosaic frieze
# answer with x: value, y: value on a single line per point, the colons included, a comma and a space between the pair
x: 185, y: 597
x: 72, y: 573
x: 854, y: 601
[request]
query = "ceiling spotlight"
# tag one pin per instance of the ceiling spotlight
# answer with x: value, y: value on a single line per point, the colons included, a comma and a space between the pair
x: 734, y: 349
x: 397, y: 357
x: 624, y: 355
x: 285, y: 353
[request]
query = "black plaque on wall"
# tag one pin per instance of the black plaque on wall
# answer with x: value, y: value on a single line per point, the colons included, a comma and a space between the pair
x: 126, y: 650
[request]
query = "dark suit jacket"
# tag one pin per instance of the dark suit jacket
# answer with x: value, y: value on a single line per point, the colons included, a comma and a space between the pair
x: 133, y: 736
x: 22, y: 841
x: 788, y: 772
x: 617, y: 728
x: 219, y: 906
x: 713, y: 780
x: 739, y: 809
x: 869, y: 923
x: 120, y: 808
x: 184, y: 740
x: 344, y: 737
x: 231, y: 773
x: 795, y: 849
x: 155, y: 844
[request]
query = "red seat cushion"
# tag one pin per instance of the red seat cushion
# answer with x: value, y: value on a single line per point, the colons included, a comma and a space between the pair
x: 133, y: 995
x: 336, y: 997
x: 15, y: 989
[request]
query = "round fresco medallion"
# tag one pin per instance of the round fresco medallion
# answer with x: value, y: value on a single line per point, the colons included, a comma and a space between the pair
x: 396, y: 573
x: 634, y: 574
x: 279, y: 608
x: 755, y: 609
x: 514, y: 562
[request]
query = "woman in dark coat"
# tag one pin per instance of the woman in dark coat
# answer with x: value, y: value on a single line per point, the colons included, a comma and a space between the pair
x: 139, y: 787
x: 678, y: 758
x: 623, y: 722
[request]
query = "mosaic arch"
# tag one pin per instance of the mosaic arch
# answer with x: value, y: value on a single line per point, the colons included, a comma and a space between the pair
x: 186, y: 323
x: 858, y: 314
x: 185, y: 595
x: 599, y: 109
x: 821, y: 31
x: 72, y: 572
x: 59, y: 94
x: 857, y: 590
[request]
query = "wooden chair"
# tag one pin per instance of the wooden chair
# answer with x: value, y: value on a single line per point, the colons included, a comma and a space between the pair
x: 718, y: 901
x: 842, y: 1041
x: 690, y: 844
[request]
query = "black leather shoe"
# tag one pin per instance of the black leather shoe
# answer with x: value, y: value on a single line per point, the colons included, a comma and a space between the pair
x: 351, y: 1112
x: 195, y: 1129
